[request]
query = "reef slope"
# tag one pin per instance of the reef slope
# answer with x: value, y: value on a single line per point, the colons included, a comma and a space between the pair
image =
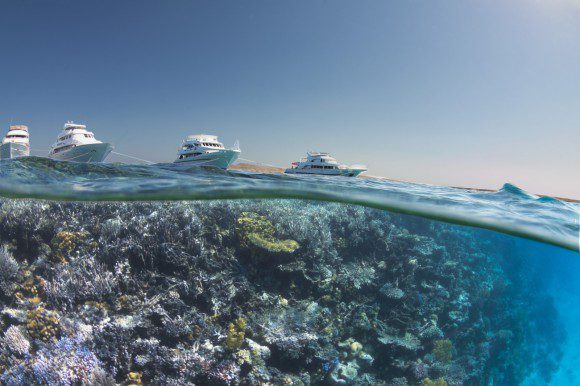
x: 254, y: 292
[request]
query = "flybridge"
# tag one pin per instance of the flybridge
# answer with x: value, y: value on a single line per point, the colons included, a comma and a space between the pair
x: 18, y: 127
x: 203, y: 137
x: 72, y: 125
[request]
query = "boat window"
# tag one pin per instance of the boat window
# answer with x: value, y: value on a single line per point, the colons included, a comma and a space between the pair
x: 58, y: 150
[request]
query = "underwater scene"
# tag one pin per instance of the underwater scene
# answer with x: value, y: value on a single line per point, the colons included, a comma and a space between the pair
x: 138, y: 275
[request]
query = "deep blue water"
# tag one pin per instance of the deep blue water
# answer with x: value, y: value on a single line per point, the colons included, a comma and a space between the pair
x: 218, y: 277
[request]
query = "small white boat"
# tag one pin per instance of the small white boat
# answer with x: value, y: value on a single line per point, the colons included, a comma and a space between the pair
x: 324, y: 164
x: 76, y: 143
x: 206, y: 150
x: 16, y: 143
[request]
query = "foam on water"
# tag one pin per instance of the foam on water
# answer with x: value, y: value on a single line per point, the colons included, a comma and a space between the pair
x: 510, y: 210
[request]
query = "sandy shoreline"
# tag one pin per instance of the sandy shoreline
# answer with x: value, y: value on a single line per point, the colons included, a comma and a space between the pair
x: 272, y: 169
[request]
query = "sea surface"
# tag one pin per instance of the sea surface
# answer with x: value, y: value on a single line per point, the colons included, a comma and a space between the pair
x: 131, y: 274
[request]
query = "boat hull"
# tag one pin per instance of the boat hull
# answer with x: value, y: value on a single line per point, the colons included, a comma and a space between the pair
x: 219, y: 159
x: 330, y: 172
x: 13, y: 150
x: 93, y: 152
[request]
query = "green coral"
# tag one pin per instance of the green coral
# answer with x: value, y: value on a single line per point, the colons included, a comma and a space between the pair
x: 258, y: 231
x: 437, y: 382
x: 236, y: 334
x: 443, y: 350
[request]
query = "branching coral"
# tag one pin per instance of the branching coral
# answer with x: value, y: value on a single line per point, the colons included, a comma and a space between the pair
x: 15, y: 340
x: 437, y: 382
x: 67, y: 362
x: 82, y: 279
x: 65, y: 243
x: 443, y: 350
x: 236, y: 334
x: 134, y: 379
x: 258, y: 231
x: 42, y: 324
x: 31, y: 289
x: 8, y: 270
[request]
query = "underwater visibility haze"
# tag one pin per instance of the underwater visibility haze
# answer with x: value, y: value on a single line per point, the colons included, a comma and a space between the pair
x: 125, y: 274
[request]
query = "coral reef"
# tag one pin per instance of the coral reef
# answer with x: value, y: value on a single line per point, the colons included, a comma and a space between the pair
x: 263, y: 292
x: 8, y: 271
x: 442, y: 350
x: 236, y: 334
x: 258, y: 231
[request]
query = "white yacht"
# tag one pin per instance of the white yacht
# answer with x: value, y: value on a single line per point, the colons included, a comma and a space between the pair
x: 324, y: 164
x: 16, y: 143
x: 76, y: 143
x: 206, y: 150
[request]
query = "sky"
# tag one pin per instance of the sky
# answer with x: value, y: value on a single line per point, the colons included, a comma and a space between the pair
x: 460, y: 93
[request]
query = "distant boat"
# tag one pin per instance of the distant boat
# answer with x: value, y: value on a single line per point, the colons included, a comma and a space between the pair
x: 16, y: 143
x: 206, y: 150
x: 76, y: 143
x: 324, y: 164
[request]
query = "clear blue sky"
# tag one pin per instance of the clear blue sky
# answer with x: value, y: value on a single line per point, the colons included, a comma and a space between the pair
x: 450, y: 92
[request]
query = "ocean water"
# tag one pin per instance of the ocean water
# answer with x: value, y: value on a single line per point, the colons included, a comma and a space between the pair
x: 124, y: 274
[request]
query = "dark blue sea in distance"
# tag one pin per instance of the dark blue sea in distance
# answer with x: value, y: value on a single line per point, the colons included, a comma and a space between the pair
x: 129, y: 274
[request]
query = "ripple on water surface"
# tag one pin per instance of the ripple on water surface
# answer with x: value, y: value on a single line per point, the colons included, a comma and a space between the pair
x: 510, y: 210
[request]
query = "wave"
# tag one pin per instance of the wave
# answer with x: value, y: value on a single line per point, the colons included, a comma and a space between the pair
x: 511, y: 210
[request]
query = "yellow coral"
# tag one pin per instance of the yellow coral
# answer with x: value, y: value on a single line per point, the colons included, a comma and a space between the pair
x: 42, y: 324
x: 134, y: 379
x: 236, y: 334
x: 258, y: 231
x: 437, y: 382
x: 443, y: 350
x: 64, y: 243
x: 355, y: 347
x: 30, y: 290
x: 244, y: 357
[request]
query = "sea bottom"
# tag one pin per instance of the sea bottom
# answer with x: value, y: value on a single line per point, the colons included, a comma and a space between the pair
x: 276, y: 291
